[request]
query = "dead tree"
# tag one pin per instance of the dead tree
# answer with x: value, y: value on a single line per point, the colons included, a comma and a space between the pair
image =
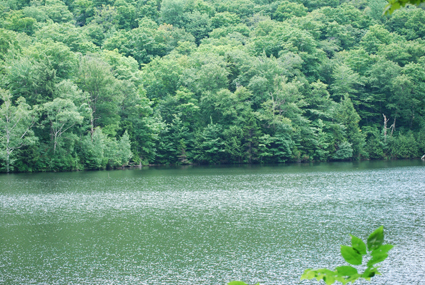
x: 385, y: 127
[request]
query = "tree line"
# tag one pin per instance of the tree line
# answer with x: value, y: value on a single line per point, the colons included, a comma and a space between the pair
x: 94, y: 84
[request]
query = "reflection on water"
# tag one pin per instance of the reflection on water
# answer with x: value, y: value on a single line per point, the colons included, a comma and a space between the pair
x: 208, y: 225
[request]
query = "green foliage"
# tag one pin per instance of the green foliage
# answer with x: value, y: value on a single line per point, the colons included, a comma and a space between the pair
x: 92, y: 150
x: 61, y: 115
x: 172, y: 12
x: 225, y: 19
x: 219, y: 81
x: 67, y: 34
x: 103, y: 91
x: 375, y: 145
x: 8, y: 42
x: 397, y: 4
x: 126, y: 15
x: 210, y: 146
x: 287, y: 10
x: 57, y: 11
x: 16, y: 124
x: 356, y: 254
x: 374, y: 251
x: 402, y: 146
x: 344, y: 151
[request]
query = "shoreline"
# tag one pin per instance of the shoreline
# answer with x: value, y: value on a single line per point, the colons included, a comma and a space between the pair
x: 129, y: 167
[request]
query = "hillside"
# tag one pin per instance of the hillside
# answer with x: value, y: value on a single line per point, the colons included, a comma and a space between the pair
x: 101, y: 84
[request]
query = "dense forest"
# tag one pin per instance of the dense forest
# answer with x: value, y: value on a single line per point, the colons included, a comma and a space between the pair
x: 94, y: 84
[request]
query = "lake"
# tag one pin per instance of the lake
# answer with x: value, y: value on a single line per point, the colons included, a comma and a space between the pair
x: 208, y: 225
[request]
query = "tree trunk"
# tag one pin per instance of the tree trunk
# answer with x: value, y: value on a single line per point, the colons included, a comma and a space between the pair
x: 91, y: 127
x: 7, y: 161
x: 393, y: 126
x: 385, y: 128
x: 250, y: 146
x: 54, y: 146
x: 7, y: 147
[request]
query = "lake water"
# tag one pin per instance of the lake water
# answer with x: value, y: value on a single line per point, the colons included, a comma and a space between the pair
x: 208, y: 225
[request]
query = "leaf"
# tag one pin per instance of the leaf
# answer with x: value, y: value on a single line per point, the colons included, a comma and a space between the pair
x: 352, y: 278
x: 346, y: 270
x: 342, y: 279
x: 382, y: 249
x: 375, y: 239
x: 327, y: 275
x: 308, y: 274
x: 358, y: 244
x: 370, y: 272
x: 325, y: 271
x: 329, y: 279
x: 351, y: 255
x: 376, y: 259
x: 236, y: 283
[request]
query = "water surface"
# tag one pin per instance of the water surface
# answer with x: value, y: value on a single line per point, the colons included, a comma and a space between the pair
x: 208, y: 225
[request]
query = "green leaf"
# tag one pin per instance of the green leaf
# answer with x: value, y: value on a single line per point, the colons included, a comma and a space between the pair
x: 327, y: 275
x: 236, y: 283
x: 346, y: 270
x: 329, y: 279
x: 370, y: 272
x: 376, y: 259
x: 375, y: 239
x: 325, y: 271
x: 351, y: 255
x: 308, y: 274
x: 358, y: 244
x: 352, y: 278
x: 382, y: 249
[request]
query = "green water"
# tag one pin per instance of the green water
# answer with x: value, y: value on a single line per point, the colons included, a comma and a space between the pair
x: 208, y: 225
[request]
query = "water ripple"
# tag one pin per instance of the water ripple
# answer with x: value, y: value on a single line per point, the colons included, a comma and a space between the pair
x: 206, y: 226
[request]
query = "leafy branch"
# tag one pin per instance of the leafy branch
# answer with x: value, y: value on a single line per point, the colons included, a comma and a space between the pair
x: 355, y: 254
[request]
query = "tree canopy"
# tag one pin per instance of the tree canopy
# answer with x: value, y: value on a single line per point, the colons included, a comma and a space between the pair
x: 92, y: 84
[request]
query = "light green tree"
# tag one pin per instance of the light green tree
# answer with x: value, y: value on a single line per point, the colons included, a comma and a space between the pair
x: 103, y: 92
x: 62, y: 115
x: 16, y: 124
x: 288, y: 10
